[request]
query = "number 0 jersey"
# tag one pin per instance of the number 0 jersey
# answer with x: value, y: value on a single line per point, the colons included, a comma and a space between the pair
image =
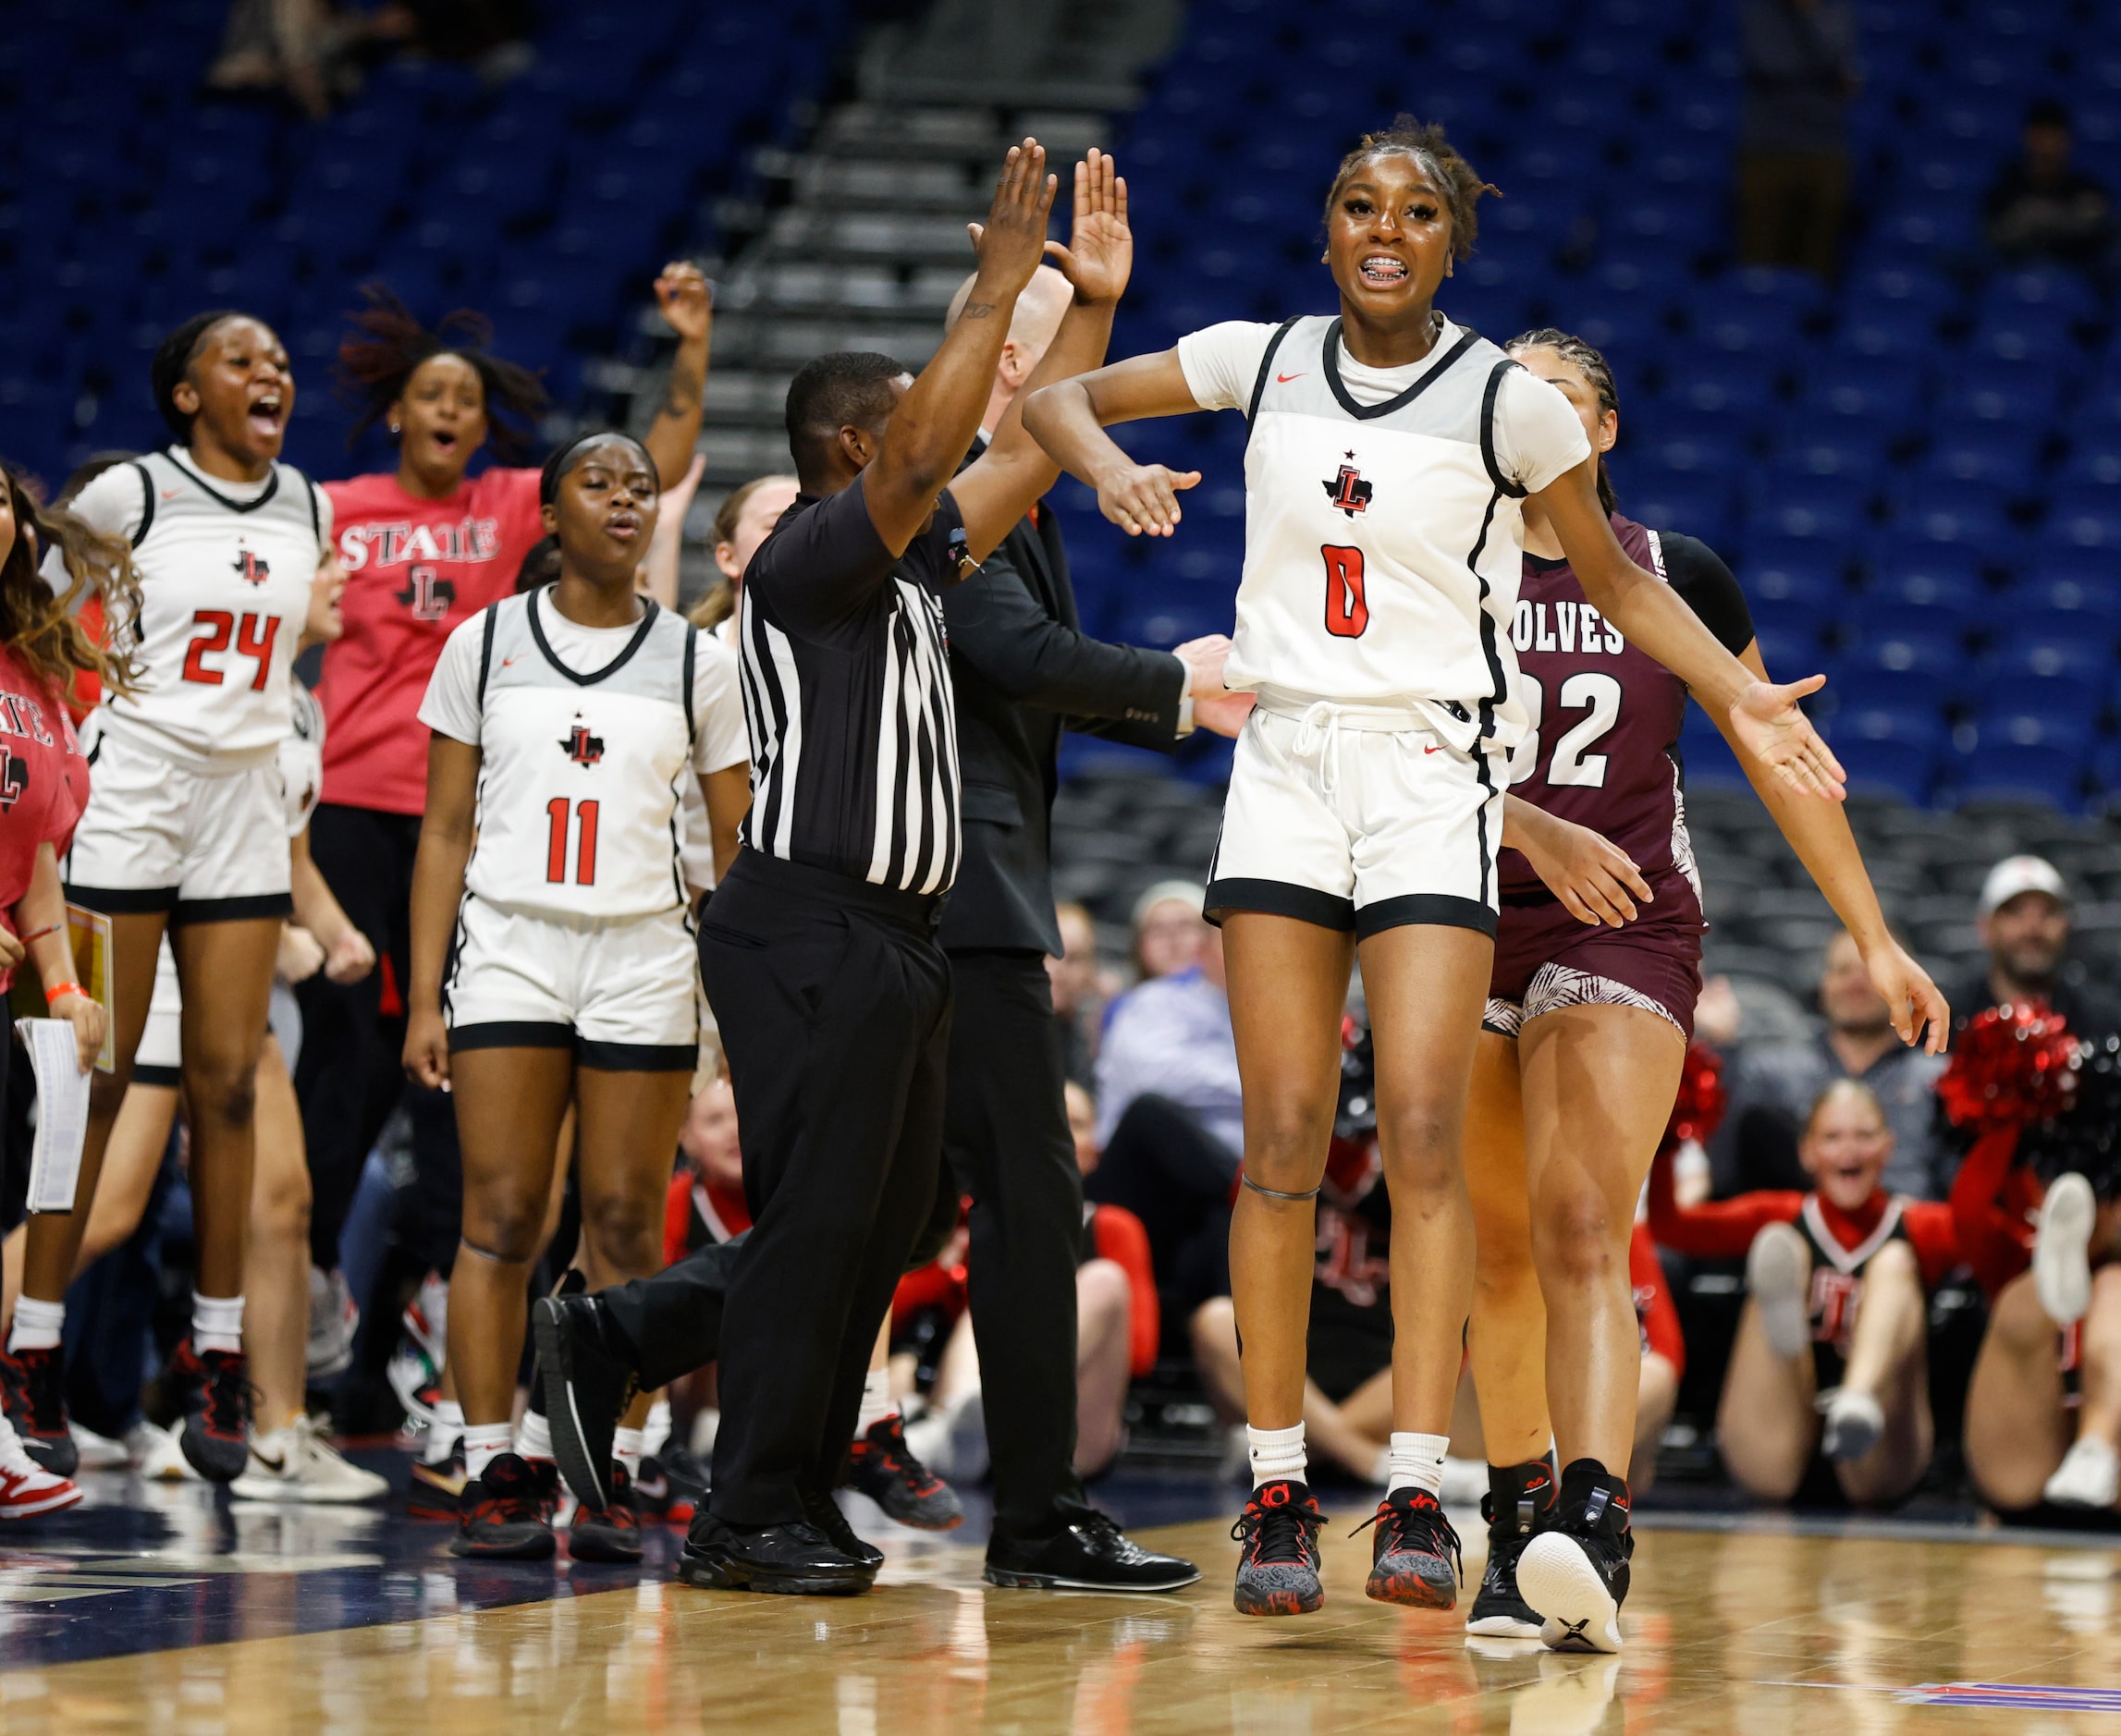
x: 1604, y: 717
x: 579, y: 771
x: 224, y: 587
x: 1383, y: 538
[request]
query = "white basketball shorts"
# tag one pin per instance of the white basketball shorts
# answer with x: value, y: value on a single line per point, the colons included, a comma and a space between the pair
x: 622, y: 992
x: 1359, y: 819
x: 159, y: 1060
x: 203, y: 845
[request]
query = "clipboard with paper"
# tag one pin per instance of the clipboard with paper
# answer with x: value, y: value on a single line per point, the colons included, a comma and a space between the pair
x: 89, y: 931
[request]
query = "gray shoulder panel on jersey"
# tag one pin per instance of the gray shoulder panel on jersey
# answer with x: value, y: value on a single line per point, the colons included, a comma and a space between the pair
x: 1445, y: 402
x: 650, y: 665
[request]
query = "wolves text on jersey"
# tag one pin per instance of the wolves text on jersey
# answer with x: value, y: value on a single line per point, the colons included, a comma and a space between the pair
x: 1570, y: 627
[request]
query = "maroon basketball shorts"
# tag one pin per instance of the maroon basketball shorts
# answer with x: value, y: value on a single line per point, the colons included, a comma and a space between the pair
x: 1545, y: 959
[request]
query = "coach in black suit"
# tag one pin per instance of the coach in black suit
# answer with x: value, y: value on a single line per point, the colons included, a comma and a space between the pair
x: 1023, y: 671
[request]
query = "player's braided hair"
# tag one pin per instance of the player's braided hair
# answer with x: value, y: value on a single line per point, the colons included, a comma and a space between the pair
x: 1459, y: 181
x: 172, y: 359
x: 377, y: 356
x: 42, y: 625
x: 1595, y: 368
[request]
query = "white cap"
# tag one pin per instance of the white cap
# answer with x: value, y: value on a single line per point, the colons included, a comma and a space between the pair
x: 1190, y: 893
x: 2015, y: 874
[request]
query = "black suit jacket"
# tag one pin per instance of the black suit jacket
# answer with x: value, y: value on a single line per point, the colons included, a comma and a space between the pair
x: 1023, y: 671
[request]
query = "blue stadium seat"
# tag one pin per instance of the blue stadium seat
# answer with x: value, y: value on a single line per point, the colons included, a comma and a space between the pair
x: 2011, y: 773
x: 2060, y: 294
x: 1832, y: 509
x: 2003, y: 459
x: 1794, y: 594
x: 1918, y: 727
x: 1698, y: 506
x: 1705, y: 758
x: 1879, y: 392
x: 1900, y: 285
x: 1924, y: 576
x: 2095, y: 465
x: 1790, y: 651
x: 2072, y: 525
x: 2075, y: 582
x: 1899, y: 333
x: 1906, y: 770
x: 2018, y: 396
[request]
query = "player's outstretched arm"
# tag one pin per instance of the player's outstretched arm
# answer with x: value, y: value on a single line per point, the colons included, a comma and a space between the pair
x: 682, y: 295
x: 999, y: 488
x: 1068, y: 420
x: 445, y: 836
x: 1819, y: 832
x: 1764, y: 721
x: 933, y: 427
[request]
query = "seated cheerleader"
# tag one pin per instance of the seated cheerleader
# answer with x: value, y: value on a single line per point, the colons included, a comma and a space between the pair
x: 1832, y: 1353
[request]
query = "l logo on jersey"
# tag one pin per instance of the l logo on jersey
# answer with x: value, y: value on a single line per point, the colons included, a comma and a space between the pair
x: 426, y: 594
x: 252, y: 568
x: 582, y: 747
x: 14, y: 777
x: 1347, y: 490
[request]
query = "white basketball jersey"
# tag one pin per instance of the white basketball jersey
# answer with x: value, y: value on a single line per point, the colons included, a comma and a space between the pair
x: 578, y: 775
x: 1382, y: 542
x: 302, y: 757
x: 225, y: 588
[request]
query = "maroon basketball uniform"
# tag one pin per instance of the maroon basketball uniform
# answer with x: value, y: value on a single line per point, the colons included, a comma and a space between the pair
x: 1604, y: 753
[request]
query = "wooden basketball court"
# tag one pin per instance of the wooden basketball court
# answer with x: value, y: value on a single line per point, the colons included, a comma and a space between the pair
x: 1765, y: 1630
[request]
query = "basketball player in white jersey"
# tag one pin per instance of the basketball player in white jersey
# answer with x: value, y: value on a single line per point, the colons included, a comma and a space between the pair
x: 565, y: 722
x: 185, y: 829
x: 1390, y: 450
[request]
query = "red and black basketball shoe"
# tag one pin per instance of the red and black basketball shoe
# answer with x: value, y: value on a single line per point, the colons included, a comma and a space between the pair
x: 1278, y: 1567
x: 216, y: 1389
x: 1414, y: 1552
x: 504, y: 1513
x: 33, y: 1387
x: 610, y: 1533
x: 883, y: 1467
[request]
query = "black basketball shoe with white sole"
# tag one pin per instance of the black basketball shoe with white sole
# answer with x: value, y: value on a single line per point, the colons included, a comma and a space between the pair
x: 1576, y: 1572
x: 1520, y: 1499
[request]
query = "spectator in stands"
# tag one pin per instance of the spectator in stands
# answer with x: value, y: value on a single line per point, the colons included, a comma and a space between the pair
x: 2042, y: 208
x: 1773, y: 1085
x: 1801, y: 69
x: 1171, y: 1120
x: 1078, y: 993
x: 2024, y: 922
x: 1168, y: 928
x: 748, y: 511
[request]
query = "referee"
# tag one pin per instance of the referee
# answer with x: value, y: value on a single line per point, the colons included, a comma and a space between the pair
x: 819, y: 949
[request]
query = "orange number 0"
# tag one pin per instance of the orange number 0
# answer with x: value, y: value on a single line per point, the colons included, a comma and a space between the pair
x: 1347, y: 610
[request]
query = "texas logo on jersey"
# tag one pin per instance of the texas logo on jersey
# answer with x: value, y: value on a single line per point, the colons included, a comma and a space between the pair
x: 252, y: 568
x: 582, y: 747
x: 1347, y: 490
x: 14, y: 777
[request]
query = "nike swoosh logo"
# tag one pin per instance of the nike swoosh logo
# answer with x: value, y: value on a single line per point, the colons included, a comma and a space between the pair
x: 1434, y: 750
x: 509, y: 658
x: 1283, y: 379
x: 654, y: 1488
x: 276, y: 1466
x: 171, y: 494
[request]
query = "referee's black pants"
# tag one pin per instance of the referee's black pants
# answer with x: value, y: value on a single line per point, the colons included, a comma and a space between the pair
x: 1006, y: 1139
x: 834, y: 1005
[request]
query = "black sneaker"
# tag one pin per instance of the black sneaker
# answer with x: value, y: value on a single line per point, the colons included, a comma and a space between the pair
x: 588, y: 1385
x: 216, y: 1389
x: 1575, y: 1573
x: 1090, y: 1554
x: 503, y: 1514
x: 1414, y: 1552
x: 33, y: 1387
x: 611, y: 1533
x: 825, y: 1515
x: 436, y: 1489
x: 797, y: 1559
x: 883, y: 1467
x: 1519, y: 1499
x: 1278, y: 1567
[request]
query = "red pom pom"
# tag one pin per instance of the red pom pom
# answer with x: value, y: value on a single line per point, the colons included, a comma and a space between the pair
x: 2012, y: 1067
x: 1699, y: 1110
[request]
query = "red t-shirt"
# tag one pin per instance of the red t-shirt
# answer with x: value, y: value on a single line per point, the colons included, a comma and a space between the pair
x: 414, y: 571
x: 43, y: 781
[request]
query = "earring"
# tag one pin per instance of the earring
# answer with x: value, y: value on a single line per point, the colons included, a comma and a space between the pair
x: 393, y: 427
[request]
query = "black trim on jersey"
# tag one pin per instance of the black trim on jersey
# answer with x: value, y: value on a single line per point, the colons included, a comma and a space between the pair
x: 619, y: 662
x: 243, y: 910
x: 487, y: 650
x: 1280, y: 897
x: 636, y: 1058
x: 1429, y: 910
x: 1266, y: 368
x: 271, y: 488
x: 511, y: 1033
x: 149, y: 1073
x: 1371, y: 412
x: 146, y: 502
x: 691, y: 723
x: 123, y: 901
x: 1516, y: 490
x: 1482, y: 771
x: 316, y: 516
x: 1501, y: 682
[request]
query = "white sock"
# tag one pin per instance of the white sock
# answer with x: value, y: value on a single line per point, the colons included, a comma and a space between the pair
x: 655, y: 1432
x: 447, y: 1429
x: 484, y: 1443
x: 37, y: 1325
x: 876, y: 1400
x: 626, y: 1448
x: 534, y: 1436
x: 1417, y: 1461
x: 217, y: 1323
x: 1276, y: 1453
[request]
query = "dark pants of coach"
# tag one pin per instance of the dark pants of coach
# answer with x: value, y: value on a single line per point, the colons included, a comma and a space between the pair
x: 834, y: 1004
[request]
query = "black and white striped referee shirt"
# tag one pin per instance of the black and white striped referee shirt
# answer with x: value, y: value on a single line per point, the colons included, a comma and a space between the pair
x: 847, y: 694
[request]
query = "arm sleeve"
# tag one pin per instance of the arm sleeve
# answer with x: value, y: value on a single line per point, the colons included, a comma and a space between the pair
x: 1708, y: 587
x: 824, y: 563
x: 1538, y: 437
x: 1123, y: 1240
x: 1221, y: 362
x: 999, y: 628
x: 1995, y: 1245
x: 451, y: 707
x: 1718, y: 1230
x: 719, y: 740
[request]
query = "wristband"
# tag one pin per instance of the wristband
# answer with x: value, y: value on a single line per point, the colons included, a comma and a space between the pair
x: 56, y: 991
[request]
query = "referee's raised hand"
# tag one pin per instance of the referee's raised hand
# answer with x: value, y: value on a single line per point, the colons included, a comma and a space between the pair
x: 1011, y: 242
